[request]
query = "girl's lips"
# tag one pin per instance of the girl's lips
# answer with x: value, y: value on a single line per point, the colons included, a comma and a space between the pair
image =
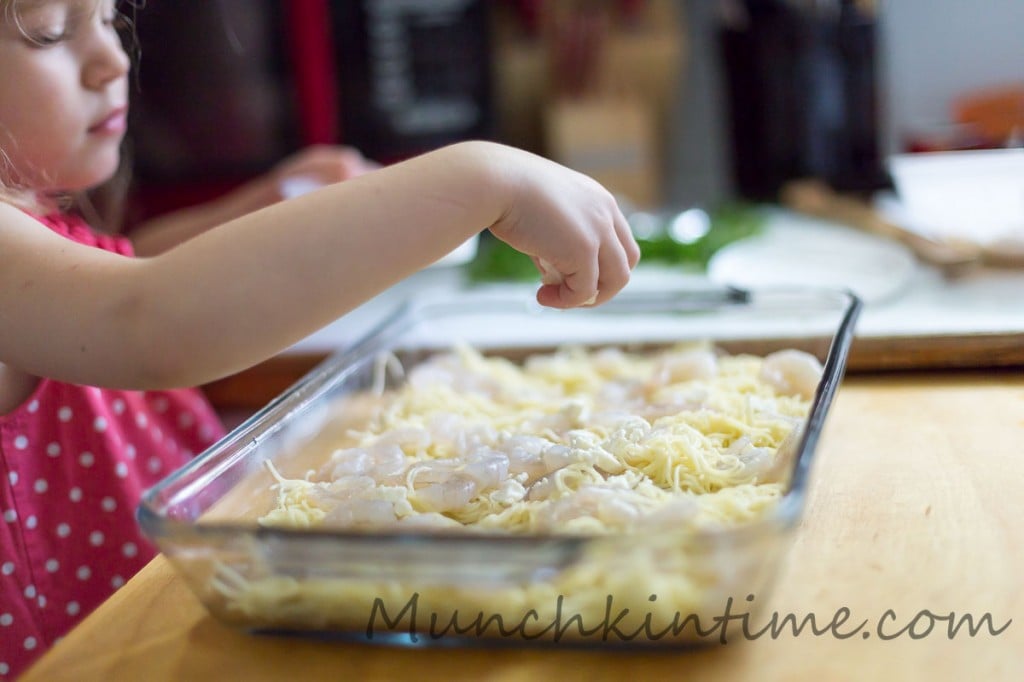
x: 114, y: 123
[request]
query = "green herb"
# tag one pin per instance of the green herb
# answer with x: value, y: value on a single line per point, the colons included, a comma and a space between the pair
x: 497, y: 261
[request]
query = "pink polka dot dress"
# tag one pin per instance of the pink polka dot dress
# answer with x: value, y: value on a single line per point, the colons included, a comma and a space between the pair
x: 74, y: 462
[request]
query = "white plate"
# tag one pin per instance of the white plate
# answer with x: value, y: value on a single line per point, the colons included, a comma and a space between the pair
x: 797, y: 251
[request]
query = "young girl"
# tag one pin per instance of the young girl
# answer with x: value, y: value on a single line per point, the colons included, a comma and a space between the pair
x: 95, y: 344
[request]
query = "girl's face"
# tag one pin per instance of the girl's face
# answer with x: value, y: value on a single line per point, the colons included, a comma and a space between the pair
x: 63, y: 94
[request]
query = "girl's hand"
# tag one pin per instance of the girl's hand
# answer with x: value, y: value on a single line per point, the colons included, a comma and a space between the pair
x: 303, y: 172
x: 570, y: 225
x: 317, y: 166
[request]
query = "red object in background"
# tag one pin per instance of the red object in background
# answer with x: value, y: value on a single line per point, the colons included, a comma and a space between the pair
x: 995, y: 113
x: 992, y: 118
x: 312, y: 53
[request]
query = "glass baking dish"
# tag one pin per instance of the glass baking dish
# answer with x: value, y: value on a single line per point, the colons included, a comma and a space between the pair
x: 665, y: 588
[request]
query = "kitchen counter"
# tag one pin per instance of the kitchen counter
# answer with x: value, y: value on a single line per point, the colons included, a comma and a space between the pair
x: 915, y: 505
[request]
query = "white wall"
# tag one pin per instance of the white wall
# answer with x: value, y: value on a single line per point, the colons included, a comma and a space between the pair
x: 932, y: 50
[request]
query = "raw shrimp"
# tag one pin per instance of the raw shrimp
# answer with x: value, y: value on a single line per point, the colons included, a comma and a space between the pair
x: 525, y: 455
x: 451, y: 435
x: 411, y: 439
x: 614, y: 508
x: 449, y: 370
x: 571, y: 416
x: 379, y: 461
x: 686, y: 365
x: 489, y: 468
x: 792, y: 372
x: 621, y: 394
x: 448, y: 494
x: 361, y: 512
x: 664, y: 401
x: 755, y: 461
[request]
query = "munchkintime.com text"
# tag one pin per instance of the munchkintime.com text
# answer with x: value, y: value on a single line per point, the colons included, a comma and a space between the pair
x: 734, y: 622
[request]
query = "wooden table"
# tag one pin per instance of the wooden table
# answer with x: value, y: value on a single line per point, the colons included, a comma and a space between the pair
x: 916, y: 504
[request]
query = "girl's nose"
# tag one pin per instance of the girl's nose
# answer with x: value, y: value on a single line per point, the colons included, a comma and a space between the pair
x: 107, y: 60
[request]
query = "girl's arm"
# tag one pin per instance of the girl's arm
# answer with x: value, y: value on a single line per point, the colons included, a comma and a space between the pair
x: 236, y: 295
x: 324, y: 165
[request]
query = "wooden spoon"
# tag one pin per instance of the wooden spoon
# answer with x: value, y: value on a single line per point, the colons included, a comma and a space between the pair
x: 952, y: 256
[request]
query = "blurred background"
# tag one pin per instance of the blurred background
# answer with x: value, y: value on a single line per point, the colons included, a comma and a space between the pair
x: 675, y: 105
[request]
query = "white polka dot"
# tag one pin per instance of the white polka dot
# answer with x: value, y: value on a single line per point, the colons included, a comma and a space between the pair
x: 30, y: 643
x: 10, y: 516
x: 185, y: 420
x: 129, y: 451
x: 160, y: 404
x: 64, y: 414
x: 206, y: 432
x: 116, y: 582
x: 75, y: 494
x: 4, y: 668
x: 13, y: 477
x: 33, y: 406
x: 118, y: 406
x: 99, y: 424
x: 157, y: 434
x: 129, y: 549
x: 7, y: 567
x: 63, y: 530
x: 96, y: 538
x: 6, y: 619
x: 121, y: 470
x: 86, y: 459
x: 53, y: 449
x: 30, y: 592
x: 41, y: 601
x: 109, y: 504
x: 52, y: 565
x: 141, y: 421
x: 31, y: 522
x: 154, y: 465
x: 41, y: 485
x: 72, y: 608
x: 21, y: 442
x: 83, y: 572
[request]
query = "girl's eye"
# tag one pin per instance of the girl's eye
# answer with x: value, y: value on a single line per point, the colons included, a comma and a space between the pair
x: 47, y: 38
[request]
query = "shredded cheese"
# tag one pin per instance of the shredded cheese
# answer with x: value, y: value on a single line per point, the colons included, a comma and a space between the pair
x: 575, y: 442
